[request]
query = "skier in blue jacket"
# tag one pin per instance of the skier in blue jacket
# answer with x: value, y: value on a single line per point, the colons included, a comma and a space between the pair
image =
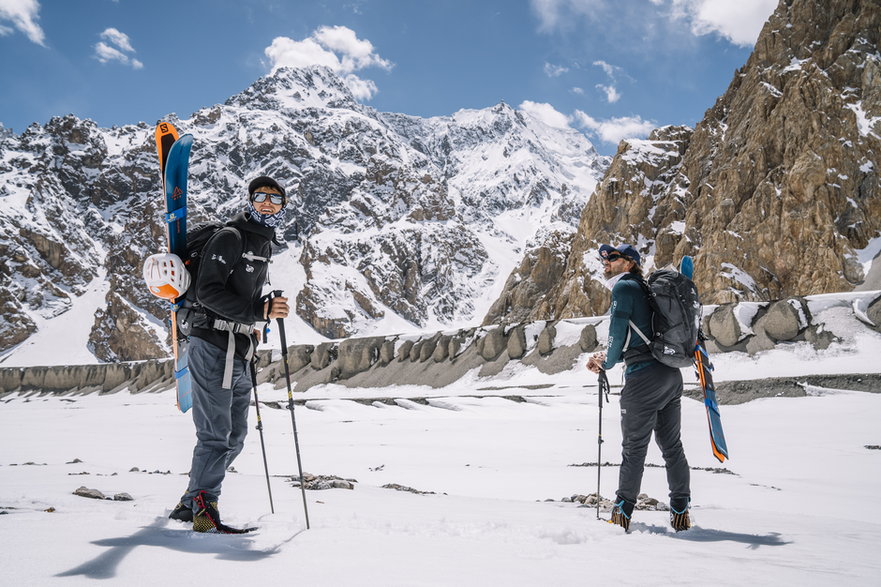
x: 650, y: 399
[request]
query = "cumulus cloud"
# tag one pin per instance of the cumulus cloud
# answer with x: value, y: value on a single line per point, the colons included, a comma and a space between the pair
x: 740, y: 22
x: 362, y: 89
x: 614, y: 130
x: 546, y: 113
x: 116, y: 46
x: 336, y: 47
x: 552, y: 70
x: 22, y: 15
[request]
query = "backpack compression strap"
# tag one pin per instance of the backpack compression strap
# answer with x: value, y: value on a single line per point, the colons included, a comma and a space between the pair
x: 233, y: 328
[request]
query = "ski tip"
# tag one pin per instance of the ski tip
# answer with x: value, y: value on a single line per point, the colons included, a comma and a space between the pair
x: 165, y: 128
x: 686, y: 266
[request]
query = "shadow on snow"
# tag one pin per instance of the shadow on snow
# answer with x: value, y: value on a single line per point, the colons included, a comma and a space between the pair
x: 698, y: 534
x: 225, y: 546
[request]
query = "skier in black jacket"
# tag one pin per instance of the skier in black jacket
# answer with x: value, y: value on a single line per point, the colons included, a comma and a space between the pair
x: 228, y: 305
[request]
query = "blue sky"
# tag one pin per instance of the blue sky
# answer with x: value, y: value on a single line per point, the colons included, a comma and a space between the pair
x: 609, y: 68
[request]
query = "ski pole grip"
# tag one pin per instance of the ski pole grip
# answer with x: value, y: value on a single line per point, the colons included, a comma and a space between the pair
x: 281, y: 334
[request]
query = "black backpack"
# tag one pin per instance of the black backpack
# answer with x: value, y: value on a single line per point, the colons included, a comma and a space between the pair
x: 197, y: 238
x: 676, y: 315
x: 191, y: 313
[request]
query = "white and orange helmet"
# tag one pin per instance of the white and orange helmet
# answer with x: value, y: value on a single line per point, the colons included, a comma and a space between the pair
x: 166, y: 276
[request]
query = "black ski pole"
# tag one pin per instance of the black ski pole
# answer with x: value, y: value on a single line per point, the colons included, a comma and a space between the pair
x: 602, y: 387
x: 260, y: 429
x: 287, y: 376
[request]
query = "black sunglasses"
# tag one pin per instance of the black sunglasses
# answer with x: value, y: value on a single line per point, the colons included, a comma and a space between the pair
x: 276, y: 199
x: 612, y: 257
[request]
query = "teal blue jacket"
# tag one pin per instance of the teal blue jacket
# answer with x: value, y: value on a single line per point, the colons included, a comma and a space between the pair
x: 629, y: 303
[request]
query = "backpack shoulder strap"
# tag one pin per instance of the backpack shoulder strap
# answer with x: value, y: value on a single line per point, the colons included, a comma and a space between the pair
x: 236, y: 231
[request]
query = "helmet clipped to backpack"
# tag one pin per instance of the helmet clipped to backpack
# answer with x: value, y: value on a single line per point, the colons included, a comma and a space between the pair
x: 166, y: 276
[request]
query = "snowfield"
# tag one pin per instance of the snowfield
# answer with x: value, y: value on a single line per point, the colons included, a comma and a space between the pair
x: 793, y: 506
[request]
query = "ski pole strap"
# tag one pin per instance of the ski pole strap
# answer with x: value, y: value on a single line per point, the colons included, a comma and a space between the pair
x: 233, y: 328
x: 176, y: 215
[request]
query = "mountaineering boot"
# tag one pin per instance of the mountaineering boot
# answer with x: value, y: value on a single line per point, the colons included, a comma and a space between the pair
x: 679, y: 519
x: 207, y: 518
x: 621, y: 512
x: 181, y: 513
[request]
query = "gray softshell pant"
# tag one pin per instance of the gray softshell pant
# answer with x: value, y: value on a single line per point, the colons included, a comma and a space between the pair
x: 220, y: 416
x: 650, y: 402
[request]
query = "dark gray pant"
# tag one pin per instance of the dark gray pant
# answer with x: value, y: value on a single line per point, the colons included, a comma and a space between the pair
x: 650, y: 401
x: 220, y: 416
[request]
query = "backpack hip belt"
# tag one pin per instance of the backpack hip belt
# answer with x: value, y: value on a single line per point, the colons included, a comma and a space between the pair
x: 233, y: 328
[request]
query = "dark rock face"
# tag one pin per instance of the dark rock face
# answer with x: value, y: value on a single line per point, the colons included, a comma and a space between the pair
x: 773, y: 192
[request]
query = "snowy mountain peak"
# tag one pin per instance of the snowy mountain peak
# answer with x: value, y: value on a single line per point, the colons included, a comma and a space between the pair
x: 289, y: 88
x: 404, y: 223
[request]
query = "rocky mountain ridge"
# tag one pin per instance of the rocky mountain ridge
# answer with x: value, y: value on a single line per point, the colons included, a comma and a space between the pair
x: 775, y: 193
x: 395, y: 222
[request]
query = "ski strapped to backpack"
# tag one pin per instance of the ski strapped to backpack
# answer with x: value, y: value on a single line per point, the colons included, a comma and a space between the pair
x: 676, y: 313
x: 190, y: 310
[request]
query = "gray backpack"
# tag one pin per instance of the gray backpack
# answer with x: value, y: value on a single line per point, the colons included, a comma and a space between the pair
x: 676, y: 316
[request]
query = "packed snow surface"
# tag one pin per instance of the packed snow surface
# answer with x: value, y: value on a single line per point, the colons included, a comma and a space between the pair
x: 792, y: 505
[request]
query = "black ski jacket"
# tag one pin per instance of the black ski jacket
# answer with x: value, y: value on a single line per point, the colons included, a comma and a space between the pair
x: 229, y: 286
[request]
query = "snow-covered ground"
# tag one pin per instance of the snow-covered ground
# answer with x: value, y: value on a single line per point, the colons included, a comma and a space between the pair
x: 796, y: 508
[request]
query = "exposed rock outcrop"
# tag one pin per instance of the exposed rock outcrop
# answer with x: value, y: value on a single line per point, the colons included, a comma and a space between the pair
x: 774, y: 193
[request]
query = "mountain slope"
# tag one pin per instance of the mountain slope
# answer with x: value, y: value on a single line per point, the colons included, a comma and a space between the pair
x: 776, y: 191
x: 402, y: 222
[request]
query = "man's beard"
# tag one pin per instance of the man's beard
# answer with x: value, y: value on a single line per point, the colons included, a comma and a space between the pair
x: 607, y: 272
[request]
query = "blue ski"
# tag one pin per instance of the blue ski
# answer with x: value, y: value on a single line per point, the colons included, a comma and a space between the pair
x: 704, y: 369
x: 174, y: 164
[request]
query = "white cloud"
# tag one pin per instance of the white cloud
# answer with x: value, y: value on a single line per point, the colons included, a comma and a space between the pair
x: 22, y: 15
x: 362, y: 89
x: 740, y: 22
x: 338, y: 48
x: 614, y: 130
x: 609, y: 69
x: 554, y: 14
x: 118, y: 38
x: 552, y: 70
x: 611, y: 92
x: 117, y: 50
x: 546, y: 113
x: 356, y: 53
x: 286, y: 52
x: 577, y: 90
